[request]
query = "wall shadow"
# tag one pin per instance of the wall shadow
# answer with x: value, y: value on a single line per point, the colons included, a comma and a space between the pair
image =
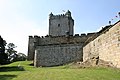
x: 7, y: 77
x: 11, y: 68
x: 31, y: 64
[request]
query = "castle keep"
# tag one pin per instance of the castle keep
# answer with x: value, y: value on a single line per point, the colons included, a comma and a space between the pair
x: 61, y: 46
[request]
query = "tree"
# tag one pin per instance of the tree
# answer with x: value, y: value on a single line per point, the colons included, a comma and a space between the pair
x: 3, y: 55
x: 12, y: 56
x: 21, y: 57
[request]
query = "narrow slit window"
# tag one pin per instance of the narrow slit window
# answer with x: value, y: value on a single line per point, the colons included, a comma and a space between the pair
x: 58, y: 25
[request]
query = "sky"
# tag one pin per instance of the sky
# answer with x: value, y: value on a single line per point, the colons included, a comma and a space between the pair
x: 22, y: 18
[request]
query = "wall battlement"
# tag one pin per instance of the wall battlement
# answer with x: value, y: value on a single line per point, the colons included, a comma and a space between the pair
x: 76, y: 35
x: 48, y: 40
x: 58, y: 16
x: 66, y: 15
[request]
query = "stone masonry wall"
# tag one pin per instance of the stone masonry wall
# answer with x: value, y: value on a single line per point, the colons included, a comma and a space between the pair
x: 31, y: 48
x: 62, y: 39
x: 51, y: 51
x: 52, y: 55
x: 59, y: 26
x: 50, y: 40
x: 106, y: 46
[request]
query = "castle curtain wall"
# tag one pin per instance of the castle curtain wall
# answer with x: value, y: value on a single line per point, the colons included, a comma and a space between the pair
x: 51, y: 51
x: 106, y: 46
x: 52, y: 55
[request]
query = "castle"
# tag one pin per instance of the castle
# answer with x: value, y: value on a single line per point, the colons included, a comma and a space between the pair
x: 61, y: 46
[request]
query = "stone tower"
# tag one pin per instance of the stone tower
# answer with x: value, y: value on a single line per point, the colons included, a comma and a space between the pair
x: 60, y: 25
x: 31, y: 48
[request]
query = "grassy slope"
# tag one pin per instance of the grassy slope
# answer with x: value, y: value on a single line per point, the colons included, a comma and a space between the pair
x: 12, y: 72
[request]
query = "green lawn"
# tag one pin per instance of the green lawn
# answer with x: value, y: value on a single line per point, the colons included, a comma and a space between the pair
x: 12, y: 72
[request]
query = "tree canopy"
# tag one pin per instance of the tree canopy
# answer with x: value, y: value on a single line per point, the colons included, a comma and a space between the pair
x: 3, y: 55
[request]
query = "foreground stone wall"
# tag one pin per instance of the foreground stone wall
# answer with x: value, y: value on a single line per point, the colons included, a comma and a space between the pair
x: 52, y: 55
x: 106, y: 46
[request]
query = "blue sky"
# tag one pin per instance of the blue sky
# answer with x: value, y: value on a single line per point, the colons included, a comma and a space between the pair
x: 21, y: 18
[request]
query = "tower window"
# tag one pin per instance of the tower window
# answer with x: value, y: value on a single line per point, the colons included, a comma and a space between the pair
x: 58, y: 25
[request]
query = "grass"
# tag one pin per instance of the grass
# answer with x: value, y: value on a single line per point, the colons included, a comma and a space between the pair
x: 27, y: 72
